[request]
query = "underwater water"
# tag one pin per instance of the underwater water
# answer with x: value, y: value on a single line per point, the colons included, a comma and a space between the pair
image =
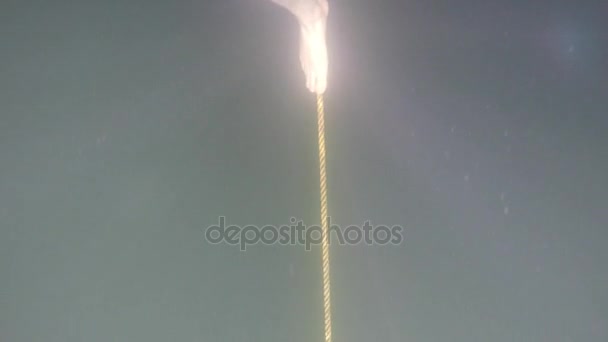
x: 129, y: 128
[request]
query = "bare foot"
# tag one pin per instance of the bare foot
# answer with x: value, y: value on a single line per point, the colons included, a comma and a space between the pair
x: 312, y: 17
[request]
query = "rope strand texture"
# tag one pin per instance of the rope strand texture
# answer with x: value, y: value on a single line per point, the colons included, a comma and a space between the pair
x: 324, y: 219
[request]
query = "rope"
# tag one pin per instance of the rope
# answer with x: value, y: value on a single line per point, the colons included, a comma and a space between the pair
x: 324, y: 219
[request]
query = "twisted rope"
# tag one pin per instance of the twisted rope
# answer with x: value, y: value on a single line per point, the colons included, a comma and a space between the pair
x: 324, y: 220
